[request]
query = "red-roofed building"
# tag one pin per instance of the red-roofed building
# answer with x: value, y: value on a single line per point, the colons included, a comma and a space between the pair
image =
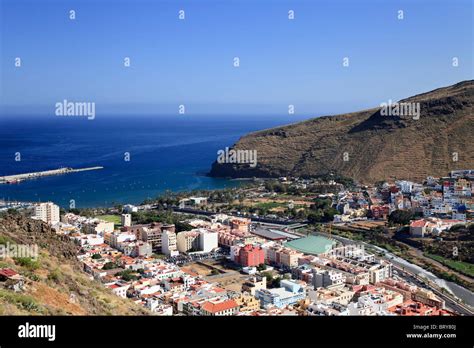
x: 13, y: 280
x: 418, y: 228
x: 8, y: 273
x: 240, y: 224
x: 222, y: 308
x: 119, y: 289
x: 380, y: 211
x: 250, y: 256
x: 413, y: 308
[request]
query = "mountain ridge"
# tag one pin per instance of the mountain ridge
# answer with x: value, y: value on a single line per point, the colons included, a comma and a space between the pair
x: 367, y: 146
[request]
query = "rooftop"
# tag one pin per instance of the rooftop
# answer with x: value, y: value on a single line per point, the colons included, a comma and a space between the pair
x: 7, y: 272
x: 314, y: 245
x: 273, y: 234
x: 215, y: 307
x: 418, y: 223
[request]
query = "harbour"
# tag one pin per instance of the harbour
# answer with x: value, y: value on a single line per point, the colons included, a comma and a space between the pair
x: 17, y: 178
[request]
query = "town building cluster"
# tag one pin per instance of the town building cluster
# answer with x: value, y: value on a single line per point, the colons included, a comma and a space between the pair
x: 152, y: 265
x: 438, y: 203
x: 229, y: 265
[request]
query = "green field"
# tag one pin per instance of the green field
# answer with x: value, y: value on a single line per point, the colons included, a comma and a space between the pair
x: 460, y: 266
x: 110, y: 218
x: 270, y: 205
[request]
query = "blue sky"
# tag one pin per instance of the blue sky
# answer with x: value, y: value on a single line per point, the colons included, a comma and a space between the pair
x: 190, y: 62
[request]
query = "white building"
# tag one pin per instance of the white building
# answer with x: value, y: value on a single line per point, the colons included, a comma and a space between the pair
x: 219, y: 218
x: 98, y: 226
x: 249, y: 270
x: 128, y: 208
x: 207, y: 240
x: 159, y: 308
x: 47, y: 212
x: 89, y: 239
x: 126, y: 220
x: 169, y: 242
x: 405, y: 186
x: 326, y: 278
x: 199, y: 239
x: 143, y: 249
x: 380, y: 272
x: 119, y: 289
x: 117, y: 239
x: 375, y: 304
x: 289, y: 294
x: 198, y: 200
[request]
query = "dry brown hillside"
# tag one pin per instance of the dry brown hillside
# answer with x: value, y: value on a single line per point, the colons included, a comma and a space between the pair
x: 378, y: 147
x: 55, y: 282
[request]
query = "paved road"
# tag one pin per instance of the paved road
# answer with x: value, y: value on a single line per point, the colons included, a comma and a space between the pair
x: 450, y: 302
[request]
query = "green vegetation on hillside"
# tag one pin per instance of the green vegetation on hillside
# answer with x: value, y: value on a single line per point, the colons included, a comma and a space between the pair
x: 460, y: 266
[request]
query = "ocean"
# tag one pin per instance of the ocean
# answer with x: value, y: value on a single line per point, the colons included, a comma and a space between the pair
x: 165, y: 153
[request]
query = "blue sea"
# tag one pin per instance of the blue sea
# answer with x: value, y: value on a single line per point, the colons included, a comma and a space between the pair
x: 166, y: 153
